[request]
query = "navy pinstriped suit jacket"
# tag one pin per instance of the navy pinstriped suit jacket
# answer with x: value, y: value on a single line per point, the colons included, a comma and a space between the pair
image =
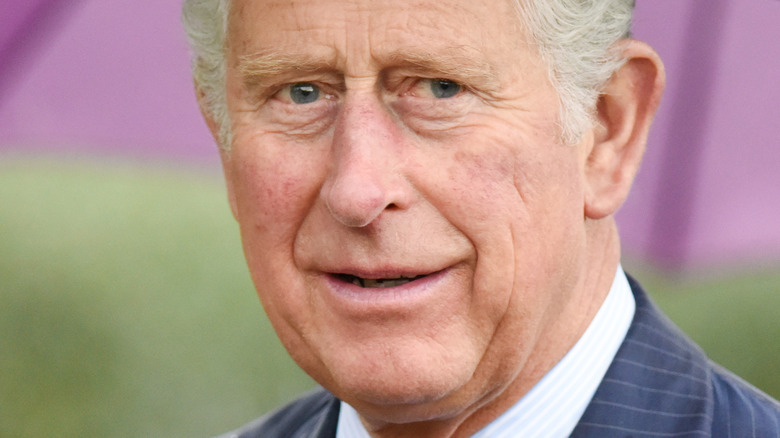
x: 659, y: 385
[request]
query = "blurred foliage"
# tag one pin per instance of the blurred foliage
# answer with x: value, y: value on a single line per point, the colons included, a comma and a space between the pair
x: 733, y: 314
x: 127, y: 309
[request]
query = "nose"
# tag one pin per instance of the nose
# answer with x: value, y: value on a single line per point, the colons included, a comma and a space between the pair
x: 367, y: 176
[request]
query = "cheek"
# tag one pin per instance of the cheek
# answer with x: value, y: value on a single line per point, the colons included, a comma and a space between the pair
x: 477, y: 188
x: 505, y: 191
x: 274, y: 188
x: 267, y: 197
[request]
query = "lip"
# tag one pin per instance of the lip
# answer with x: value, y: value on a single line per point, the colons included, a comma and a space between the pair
x: 352, y: 298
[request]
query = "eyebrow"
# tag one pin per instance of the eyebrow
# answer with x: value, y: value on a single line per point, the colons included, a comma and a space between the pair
x: 456, y: 64
x: 258, y: 68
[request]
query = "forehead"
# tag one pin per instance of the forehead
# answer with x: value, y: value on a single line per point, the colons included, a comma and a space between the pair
x: 371, y: 30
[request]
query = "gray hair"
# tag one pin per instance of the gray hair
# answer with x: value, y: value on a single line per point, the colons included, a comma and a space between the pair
x: 205, y: 22
x: 576, y: 39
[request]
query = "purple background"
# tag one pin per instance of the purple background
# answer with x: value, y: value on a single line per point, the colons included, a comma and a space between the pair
x: 102, y: 77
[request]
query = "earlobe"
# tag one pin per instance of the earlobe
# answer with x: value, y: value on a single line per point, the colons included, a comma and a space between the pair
x: 624, y: 114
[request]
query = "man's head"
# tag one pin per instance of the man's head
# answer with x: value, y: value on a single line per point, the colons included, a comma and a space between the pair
x: 425, y: 235
x: 576, y: 39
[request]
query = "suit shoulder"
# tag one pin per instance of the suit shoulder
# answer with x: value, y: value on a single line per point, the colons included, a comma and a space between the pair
x: 662, y: 384
x: 313, y: 414
x: 741, y: 408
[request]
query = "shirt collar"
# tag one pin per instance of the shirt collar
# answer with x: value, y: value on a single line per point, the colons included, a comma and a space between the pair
x: 555, y: 404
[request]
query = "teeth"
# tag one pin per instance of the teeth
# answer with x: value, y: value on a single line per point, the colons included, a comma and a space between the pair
x: 380, y: 283
x: 384, y: 282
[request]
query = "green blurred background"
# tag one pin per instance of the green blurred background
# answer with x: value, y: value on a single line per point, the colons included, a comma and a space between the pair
x: 127, y: 311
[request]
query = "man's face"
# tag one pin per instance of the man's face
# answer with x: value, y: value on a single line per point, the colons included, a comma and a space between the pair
x: 412, y: 225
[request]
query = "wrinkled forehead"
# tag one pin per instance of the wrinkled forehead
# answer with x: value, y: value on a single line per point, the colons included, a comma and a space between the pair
x: 360, y: 28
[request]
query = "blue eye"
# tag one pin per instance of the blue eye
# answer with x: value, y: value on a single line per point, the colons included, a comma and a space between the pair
x: 304, y: 92
x: 443, y: 89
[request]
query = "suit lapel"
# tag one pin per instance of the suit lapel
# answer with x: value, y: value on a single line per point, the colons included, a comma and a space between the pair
x: 326, y: 422
x: 658, y: 384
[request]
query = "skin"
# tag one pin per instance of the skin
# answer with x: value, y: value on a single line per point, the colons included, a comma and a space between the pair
x: 509, y: 231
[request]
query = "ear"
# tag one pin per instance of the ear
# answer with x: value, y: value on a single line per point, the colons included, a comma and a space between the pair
x: 224, y: 154
x: 624, y: 112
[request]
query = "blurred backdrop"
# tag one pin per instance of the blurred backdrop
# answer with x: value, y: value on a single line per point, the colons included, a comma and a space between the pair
x: 125, y: 306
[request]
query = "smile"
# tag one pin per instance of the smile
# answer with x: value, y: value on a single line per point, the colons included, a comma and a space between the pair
x: 377, y: 283
x: 361, y: 293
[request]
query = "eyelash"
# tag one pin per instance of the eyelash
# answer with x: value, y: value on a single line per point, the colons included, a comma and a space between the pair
x: 429, y: 82
x: 324, y: 92
x: 406, y: 87
x: 411, y: 98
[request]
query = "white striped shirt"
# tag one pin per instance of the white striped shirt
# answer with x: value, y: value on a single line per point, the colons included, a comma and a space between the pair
x: 555, y: 404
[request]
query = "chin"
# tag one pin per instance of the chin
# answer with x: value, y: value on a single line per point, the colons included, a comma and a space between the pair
x: 414, y: 389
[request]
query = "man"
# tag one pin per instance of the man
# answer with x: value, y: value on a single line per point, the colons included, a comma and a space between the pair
x: 425, y: 192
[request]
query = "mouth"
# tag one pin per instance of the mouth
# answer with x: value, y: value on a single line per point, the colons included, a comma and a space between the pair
x: 377, y: 283
x: 358, y: 293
